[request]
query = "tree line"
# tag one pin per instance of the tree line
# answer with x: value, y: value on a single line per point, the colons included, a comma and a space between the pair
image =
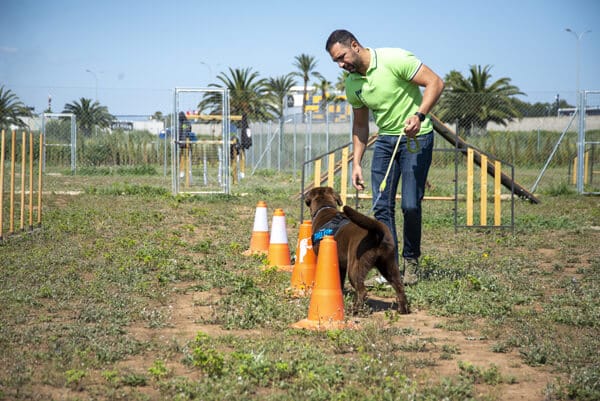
x: 470, y: 102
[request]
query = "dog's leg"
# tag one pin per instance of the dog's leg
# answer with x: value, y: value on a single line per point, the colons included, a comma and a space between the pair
x: 401, y: 297
x: 392, y: 274
x: 357, y: 275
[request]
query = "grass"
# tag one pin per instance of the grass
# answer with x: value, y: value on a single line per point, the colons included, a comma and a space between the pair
x: 130, y: 293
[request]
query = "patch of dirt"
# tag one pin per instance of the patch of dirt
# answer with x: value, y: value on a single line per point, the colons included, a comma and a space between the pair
x: 471, y: 347
x: 190, y: 308
x: 184, y: 321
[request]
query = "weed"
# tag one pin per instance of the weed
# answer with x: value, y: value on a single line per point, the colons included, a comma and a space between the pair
x: 451, y: 349
x: 343, y: 341
x: 560, y: 189
x: 112, y: 377
x: 134, y: 380
x: 476, y: 374
x: 158, y: 370
x: 73, y: 378
x: 501, y: 347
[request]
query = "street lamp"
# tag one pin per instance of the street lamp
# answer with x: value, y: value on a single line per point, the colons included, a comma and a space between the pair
x: 209, y: 70
x: 578, y: 36
x: 96, y: 78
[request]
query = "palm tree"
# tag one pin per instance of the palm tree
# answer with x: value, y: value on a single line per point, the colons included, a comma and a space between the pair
x: 306, y: 64
x: 324, y: 86
x: 475, y: 101
x: 12, y: 110
x: 247, y: 98
x: 341, y: 81
x: 279, y: 88
x: 89, y: 114
x: 158, y: 116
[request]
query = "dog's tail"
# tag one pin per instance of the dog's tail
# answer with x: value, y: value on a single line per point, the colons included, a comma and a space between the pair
x: 366, y: 222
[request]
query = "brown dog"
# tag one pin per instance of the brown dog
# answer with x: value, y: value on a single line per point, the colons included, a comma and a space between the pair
x: 362, y: 243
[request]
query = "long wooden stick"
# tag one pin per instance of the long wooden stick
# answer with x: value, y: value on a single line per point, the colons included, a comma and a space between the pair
x: 30, y: 180
x: 23, y: 171
x: 11, y: 217
x: 40, y: 180
x: 2, y: 146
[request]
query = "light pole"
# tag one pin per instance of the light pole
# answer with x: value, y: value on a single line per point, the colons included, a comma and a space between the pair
x: 209, y: 70
x: 96, y: 78
x: 578, y: 36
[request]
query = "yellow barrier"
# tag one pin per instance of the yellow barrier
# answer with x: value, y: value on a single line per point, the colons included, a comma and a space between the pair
x: 332, y: 167
x: 473, y: 157
x: 24, y: 200
x: 586, y: 168
x: 483, y: 194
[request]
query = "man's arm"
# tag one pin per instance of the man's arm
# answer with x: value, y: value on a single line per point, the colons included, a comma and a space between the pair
x: 360, y: 136
x: 433, y: 89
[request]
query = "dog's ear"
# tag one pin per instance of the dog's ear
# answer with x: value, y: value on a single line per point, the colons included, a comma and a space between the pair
x: 307, y: 198
x: 338, y: 199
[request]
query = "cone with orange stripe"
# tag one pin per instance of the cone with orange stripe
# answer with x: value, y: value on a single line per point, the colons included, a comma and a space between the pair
x: 303, y: 275
x: 326, y: 309
x: 259, y: 242
x: 279, y: 249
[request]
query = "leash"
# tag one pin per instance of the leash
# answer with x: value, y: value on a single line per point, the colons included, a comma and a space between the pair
x: 417, y: 145
x: 383, y: 184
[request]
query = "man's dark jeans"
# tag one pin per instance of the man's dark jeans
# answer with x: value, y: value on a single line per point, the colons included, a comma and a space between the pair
x: 413, y: 168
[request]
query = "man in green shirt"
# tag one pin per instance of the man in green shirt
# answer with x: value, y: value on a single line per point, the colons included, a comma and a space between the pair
x: 387, y: 81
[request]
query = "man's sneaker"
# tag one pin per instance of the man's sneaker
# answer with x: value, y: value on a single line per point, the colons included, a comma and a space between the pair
x: 410, y: 271
x: 376, y: 281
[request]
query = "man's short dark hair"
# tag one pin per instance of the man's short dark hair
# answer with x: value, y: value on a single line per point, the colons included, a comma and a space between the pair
x: 341, y: 36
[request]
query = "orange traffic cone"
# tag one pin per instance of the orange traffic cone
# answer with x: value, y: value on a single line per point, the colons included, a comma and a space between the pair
x: 326, y: 309
x: 259, y: 242
x: 279, y: 250
x: 303, y: 275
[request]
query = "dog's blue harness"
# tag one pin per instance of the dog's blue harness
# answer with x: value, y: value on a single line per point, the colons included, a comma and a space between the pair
x: 330, y: 228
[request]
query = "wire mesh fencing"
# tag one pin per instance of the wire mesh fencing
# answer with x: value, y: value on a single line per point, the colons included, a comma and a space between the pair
x: 542, y: 141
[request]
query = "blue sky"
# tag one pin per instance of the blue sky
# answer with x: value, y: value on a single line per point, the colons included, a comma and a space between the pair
x: 140, y: 50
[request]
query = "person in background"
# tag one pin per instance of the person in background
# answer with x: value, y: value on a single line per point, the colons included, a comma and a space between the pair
x: 185, y: 128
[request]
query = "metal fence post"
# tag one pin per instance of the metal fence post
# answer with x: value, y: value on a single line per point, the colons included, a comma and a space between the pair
x: 581, y: 142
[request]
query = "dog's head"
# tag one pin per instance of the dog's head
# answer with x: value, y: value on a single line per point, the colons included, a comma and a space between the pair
x: 319, y: 197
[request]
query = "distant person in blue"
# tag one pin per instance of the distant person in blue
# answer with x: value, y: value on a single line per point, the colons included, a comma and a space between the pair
x: 185, y: 128
x: 184, y: 132
x: 244, y: 143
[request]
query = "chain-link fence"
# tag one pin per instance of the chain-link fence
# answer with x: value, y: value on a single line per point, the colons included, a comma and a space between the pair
x: 542, y: 141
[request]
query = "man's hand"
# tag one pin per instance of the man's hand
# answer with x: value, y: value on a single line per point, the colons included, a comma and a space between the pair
x: 357, y: 178
x: 412, y: 126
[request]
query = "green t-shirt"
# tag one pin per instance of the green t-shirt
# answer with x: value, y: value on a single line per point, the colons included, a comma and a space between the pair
x: 387, y: 90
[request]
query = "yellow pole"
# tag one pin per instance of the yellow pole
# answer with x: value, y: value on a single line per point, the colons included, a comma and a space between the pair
x: 40, y: 180
x: 234, y: 167
x: 318, y: 173
x: 23, y: 171
x: 242, y: 163
x: 30, y: 180
x: 181, y: 156
x: 586, y: 167
x: 188, y: 162
x: 497, y: 191
x: 483, y: 191
x: 574, y: 174
x: 331, y: 170
x: 11, y: 217
x: 470, y: 187
x: 2, y: 146
x: 344, y: 176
